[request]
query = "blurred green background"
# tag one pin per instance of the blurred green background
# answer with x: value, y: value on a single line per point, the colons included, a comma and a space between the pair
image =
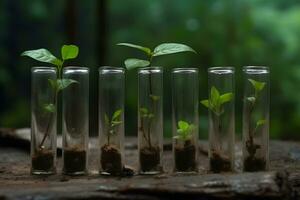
x: 224, y: 32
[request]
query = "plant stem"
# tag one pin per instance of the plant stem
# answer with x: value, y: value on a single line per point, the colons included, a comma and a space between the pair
x: 218, y: 130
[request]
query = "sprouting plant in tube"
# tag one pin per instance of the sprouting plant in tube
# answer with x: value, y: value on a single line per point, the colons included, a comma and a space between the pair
x: 112, y: 124
x: 215, y: 103
x: 184, y: 131
x: 43, y: 55
x: 254, y: 127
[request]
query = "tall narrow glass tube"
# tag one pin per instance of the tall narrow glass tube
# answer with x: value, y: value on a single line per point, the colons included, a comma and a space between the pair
x: 43, y: 120
x: 75, y: 116
x: 150, y: 120
x: 256, y: 118
x: 185, y: 122
x: 221, y: 118
x: 111, y: 119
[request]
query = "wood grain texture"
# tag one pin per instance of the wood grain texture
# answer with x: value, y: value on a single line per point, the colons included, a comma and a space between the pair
x: 281, y: 182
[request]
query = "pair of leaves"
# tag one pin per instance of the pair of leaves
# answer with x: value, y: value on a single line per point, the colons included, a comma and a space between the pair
x: 49, y: 108
x: 216, y: 100
x: 145, y: 113
x: 43, y: 55
x: 258, y: 87
x: 115, y: 120
x: 185, y: 130
x: 162, y: 49
x: 60, y: 84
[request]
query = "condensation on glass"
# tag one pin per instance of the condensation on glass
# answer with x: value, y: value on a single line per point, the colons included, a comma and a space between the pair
x: 43, y: 121
x: 111, y: 119
x: 256, y: 118
x: 185, y: 120
x: 221, y: 118
x: 150, y: 120
x: 75, y: 120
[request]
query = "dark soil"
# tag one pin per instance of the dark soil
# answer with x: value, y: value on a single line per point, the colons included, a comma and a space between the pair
x: 253, y: 164
x: 43, y: 160
x: 185, y: 157
x: 74, y: 160
x: 219, y: 163
x: 111, y: 161
x: 149, y: 159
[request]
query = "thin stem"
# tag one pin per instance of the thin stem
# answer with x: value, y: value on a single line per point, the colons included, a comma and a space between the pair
x: 54, y: 100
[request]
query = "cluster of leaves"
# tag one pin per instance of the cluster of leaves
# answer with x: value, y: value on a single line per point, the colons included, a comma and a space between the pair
x: 43, y: 55
x: 162, y: 49
x: 216, y: 101
x: 112, y: 123
x: 184, y: 131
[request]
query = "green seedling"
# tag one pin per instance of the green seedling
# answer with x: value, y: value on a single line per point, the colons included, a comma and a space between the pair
x: 215, y: 103
x: 43, y: 55
x: 112, y: 124
x: 184, y: 131
x: 252, y: 101
x: 148, y: 114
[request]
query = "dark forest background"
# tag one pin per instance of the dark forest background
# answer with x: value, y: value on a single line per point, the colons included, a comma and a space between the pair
x: 224, y: 32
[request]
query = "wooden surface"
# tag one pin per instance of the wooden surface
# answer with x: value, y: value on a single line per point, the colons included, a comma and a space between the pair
x: 281, y: 182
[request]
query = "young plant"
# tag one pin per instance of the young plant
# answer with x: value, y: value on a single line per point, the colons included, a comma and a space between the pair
x: 216, y: 104
x: 148, y: 114
x: 112, y: 124
x: 43, y: 55
x: 252, y: 101
x: 184, y: 131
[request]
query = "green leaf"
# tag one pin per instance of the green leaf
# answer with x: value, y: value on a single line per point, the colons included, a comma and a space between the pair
x: 144, y: 49
x: 42, y: 55
x: 205, y: 103
x: 154, y: 97
x: 258, y: 86
x: 144, y: 110
x: 183, y: 125
x: 132, y: 63
x: 116, y: 123
x: 214, y: 97
x: 226, y: 98
x: 64, y: 83
x: 69, y: 52
x: 251, y: 99
x: 53, y: 84
x: 116, y: 114
x: 49, y: 108
x: 260, y: 122
x: 106, y: 119
x: 170, y: 48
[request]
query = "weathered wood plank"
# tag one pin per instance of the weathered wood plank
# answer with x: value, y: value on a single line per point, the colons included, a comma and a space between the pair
x: 282, y: 182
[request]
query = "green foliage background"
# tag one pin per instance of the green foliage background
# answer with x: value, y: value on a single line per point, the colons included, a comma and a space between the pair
x: 224, y: 32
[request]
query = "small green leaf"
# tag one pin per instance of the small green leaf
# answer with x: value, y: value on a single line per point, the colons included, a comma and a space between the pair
x: 106, y: 119
x: 258, y: 86
x: 115, y: 123
x: 170, y: 48
x: 144, y: 49
x: 42, y: 55
x: 154, y: 97
x: 64, y: 83
x: 214, y: 97
x: 205, y: 103
x: 226, y: 98
x: 49, y: 108
x: 251, y: 99
x: 183, y: 125
x: 53, y: 84
x: 69, y: 52
x: 260, y: 122
x: 132, y: 63
x: 144, y: 110
x: 116, y: 114
x: 150, y: 115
